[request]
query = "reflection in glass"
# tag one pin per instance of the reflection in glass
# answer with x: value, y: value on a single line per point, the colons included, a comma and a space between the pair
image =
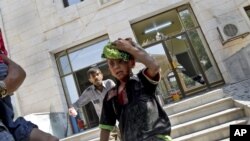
x: 71, y: 2
x: 72, y: 95
x: 167, y: 85
x: 188, y: 19
x: 64, y: 66
x: 86, y: 56
x: 104, y: 1
x: 247, y: 9
x: 185, y: 63
x: 70, y: 88
x: 204, y: 55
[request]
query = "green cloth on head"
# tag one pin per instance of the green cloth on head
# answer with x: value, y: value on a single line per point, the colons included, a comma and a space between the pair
x: 110, y: 52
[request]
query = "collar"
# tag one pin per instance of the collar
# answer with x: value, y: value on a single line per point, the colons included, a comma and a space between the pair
x: 132, y: 77
x: 93, y: 86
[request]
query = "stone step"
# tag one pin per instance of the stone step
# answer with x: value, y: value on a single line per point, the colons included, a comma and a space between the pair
x: 226, y: 139
x: 85, y: 136
x: 96, y: 139
x: 192, y: 102
x: 207, y: 122
x: 201, y: 111
x: 214, y: 133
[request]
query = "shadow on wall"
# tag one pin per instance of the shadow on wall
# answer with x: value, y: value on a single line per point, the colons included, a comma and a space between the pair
x: 54, y: 123
x: 238, y: 65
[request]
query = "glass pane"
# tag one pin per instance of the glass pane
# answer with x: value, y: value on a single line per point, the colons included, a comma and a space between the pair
x: 247, y: 9
x: 83, y: 82
x: 204, y: 55
x: 70, y: 2
x: 105, y: 71
x: 248, y: 13
x: 188, y: 19
x: 87, y: 56
x: 104, y: 1
x: 64, y: 66
x: 184, y: 63
x: 70, y: 88
x: 72, y: 95
x: 165, y: 24
x: 168, y: 84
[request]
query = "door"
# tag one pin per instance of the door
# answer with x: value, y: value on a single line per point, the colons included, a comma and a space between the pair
x: 187, y: 67
x: 180, y: 72
x: 185, y: 64
x: 168, y: 85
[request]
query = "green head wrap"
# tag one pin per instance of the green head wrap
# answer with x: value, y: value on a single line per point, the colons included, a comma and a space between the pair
x: 110, y: 52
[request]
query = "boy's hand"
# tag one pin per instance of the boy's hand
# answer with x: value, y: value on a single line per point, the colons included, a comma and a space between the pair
x: 123, y: 44
x: 72, y: 112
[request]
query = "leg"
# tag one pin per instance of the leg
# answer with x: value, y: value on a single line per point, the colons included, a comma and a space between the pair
x: 39, y: 135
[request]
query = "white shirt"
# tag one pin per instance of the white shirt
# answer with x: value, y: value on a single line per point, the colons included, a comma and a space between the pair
x: 91, y: 94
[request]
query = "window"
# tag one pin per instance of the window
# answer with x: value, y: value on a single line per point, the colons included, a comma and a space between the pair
x: 175, y: 39
x: 247, y: 9
x: 73, y: 64
x: 104, y: 3
x: 70, y: 2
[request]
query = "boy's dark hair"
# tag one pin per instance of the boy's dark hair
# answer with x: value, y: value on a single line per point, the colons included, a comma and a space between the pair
x: 93, y: 70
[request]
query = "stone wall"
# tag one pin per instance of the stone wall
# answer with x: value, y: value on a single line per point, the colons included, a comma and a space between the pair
x: 238, y: 65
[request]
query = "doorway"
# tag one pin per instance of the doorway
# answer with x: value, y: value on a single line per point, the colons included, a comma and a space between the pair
x: 185, y: 69
x: 175, y: 39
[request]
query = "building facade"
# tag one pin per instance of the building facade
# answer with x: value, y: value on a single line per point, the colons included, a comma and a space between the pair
x: 200, y: 45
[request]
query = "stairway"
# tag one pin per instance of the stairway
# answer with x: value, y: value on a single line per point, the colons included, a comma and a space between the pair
x: 205, y: 117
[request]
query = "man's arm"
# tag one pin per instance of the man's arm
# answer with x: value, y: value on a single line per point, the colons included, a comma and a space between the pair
x: 104, y: 135
x: 82, y: 101
x: 15, y: 77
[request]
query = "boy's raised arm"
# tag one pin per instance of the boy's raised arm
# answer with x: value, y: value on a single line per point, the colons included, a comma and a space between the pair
x: 140, y: 55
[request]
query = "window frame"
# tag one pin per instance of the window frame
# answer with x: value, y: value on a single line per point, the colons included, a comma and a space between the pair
x: 247, y: 9
x: 108, y: 3
x: 73, y: 74
x: 66, y: 3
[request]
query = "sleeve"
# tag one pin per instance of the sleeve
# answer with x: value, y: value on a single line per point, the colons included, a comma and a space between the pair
x: 150, y: 84
x: 108, y: 117
x: 112, y: 83
x: 83, y: 99
x: 154, y: 80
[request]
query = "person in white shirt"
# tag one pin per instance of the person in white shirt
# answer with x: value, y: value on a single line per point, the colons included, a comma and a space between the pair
x: 95, y: 93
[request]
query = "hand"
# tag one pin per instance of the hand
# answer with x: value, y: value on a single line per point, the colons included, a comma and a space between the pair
x: 123, y: 44
x: 72, y: 112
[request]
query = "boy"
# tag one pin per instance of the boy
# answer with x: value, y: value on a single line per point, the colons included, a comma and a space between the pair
x: 132, y: 102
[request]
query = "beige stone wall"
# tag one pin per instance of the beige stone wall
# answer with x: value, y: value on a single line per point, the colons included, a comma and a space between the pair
x: 36, y: 29
x: 213, y: 13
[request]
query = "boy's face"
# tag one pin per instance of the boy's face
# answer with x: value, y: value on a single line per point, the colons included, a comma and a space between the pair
x: 120, y: 69
x: 96, y: 78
